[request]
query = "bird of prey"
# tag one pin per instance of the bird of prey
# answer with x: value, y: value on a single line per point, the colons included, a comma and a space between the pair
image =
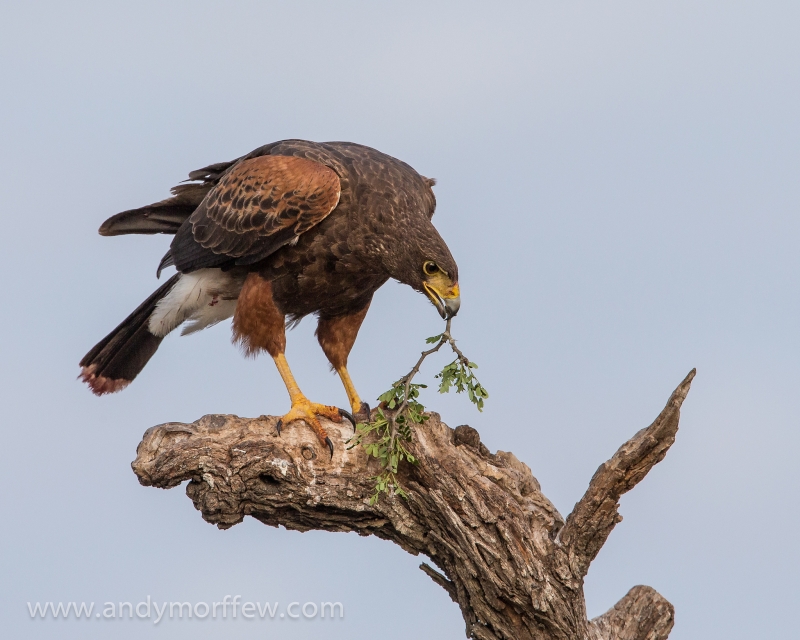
x: 291, y: 229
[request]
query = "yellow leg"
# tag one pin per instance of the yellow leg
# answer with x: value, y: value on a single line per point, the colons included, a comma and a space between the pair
x: 295, y: 395
x: 303, y: 409
x: 352, y: 394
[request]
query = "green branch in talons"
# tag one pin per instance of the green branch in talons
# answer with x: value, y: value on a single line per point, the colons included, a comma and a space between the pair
x: 385, y: 438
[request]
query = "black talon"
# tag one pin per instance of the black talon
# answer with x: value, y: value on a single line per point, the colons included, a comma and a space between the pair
x: 279, y: 425
x: 365, y: 411
x: 345, y: 414
x: 330, y: 445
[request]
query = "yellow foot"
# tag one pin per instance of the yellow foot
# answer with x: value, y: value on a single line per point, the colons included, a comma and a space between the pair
x: 307, y: 411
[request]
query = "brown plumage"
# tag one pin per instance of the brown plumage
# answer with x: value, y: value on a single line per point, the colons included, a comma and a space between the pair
x: 260, y: 205
x: 319, y: 227
x: 258, y: 324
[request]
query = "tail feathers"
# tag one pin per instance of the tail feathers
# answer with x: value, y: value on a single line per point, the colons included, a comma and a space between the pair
x: 118, y: 358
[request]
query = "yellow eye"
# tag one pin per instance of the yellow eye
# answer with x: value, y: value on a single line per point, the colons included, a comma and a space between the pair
x: 430, y: 268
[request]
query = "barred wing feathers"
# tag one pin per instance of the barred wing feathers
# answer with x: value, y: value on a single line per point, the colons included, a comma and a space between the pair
x: 260, y: 205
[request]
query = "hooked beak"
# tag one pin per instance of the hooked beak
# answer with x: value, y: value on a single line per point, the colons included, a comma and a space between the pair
x: 447, y: 302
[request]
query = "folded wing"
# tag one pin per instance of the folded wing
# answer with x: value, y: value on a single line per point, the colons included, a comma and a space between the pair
x: 259, y: 206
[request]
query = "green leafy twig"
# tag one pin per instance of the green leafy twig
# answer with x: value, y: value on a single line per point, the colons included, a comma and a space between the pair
x: 459, y: 373
x: 386, y: 437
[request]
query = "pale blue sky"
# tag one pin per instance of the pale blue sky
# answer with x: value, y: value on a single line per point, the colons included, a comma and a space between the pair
x: 619, y: 184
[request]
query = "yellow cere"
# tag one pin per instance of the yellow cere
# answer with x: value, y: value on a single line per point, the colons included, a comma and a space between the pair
x: 442, y: 284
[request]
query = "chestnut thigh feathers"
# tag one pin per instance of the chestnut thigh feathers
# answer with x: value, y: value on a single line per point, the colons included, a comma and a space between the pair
x: 258, y: 324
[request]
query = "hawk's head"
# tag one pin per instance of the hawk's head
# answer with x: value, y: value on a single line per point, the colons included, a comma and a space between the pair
x: 441, y: 286
x: 422, y: 260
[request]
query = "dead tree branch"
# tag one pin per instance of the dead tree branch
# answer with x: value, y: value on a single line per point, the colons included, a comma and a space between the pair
x: 597, y: 512
x: 505, y: 554
x: 642, y: 613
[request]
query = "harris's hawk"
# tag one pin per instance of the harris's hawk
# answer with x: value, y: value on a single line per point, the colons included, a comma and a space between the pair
x: 292, y: 228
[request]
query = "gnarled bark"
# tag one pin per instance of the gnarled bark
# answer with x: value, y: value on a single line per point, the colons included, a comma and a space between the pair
x: 505, y: 554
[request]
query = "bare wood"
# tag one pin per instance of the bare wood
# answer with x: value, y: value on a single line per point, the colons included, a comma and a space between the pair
x: 441, y: 580
x: 503, y: 550
x: 642, y: 613
x: 597, y: 512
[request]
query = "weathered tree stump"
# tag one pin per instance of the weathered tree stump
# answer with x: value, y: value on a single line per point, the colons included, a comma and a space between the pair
x: 506, y: 556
